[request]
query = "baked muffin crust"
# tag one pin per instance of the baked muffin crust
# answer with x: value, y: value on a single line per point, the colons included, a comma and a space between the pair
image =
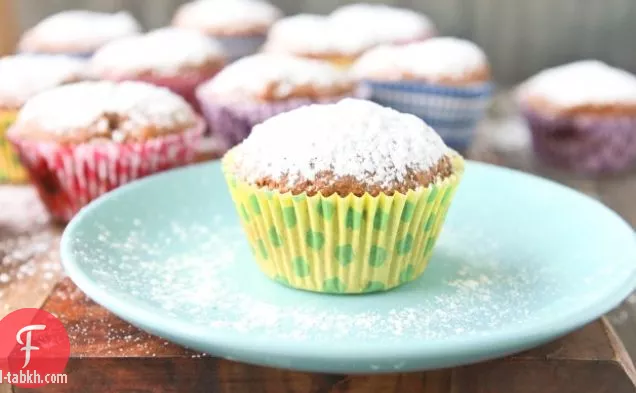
x: 351, y: 147
x: 103, y: 111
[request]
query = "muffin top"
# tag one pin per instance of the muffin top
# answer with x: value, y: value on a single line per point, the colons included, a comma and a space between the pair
x: 398, y: 25
x: 582, y: 86
x: 22, y: 76
x: 351, y: 147
x: 77, y: 31
x: 445, y: 60
x: 227, y: 17
x: 312, y: 35
x: 103, y: 111
x: 163, y: 52
x: 272, y: 76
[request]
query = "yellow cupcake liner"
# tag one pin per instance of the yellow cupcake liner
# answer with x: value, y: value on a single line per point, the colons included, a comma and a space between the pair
x: 343, y: 244
x: 11, y: 171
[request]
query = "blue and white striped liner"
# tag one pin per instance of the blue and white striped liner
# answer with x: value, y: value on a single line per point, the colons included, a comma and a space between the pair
x: 453, y: 111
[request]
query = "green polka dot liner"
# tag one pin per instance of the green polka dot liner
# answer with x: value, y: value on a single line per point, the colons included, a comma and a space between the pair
x: 343, y: 245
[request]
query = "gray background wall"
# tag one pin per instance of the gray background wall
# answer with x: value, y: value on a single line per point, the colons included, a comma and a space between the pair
x: 520, y: 36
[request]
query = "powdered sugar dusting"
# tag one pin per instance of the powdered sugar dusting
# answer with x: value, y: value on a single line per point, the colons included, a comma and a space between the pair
x: 385, y: 23
x: 137, y: 104
x: 588, y: 82
x: 432, y: 60
x: 22, y: 76
x: 204, y: 276
x: 309, y: 34
x: 79, y: 30
x: 255, y: 75
x: 209, y: 15
x: 164, y: 51
x: 28, y: 249
x: 374, y: 144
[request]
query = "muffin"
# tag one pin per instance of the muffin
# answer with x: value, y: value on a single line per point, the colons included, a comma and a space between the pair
x: 347, y: 197
x: 239, y: 25
x: 174, y: 58
x: 443, y: 80
x: 257, y: 87
x: 316, y: 37
x: 82, y: 140
x: 21, y: 77
x: 582, y: 116
x: 386, y: 24
x: 77, y: 32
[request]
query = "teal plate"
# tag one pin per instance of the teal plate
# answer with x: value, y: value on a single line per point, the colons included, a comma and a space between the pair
x: 520, y: 261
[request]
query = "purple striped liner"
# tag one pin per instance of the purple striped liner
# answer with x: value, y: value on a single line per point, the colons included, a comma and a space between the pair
x: 583, y: 143
x: 233, y: 121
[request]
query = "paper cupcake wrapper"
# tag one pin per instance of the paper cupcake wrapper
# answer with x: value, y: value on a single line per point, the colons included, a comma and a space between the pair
x: 343, y: 244
x: 584, y: 143
x: 237, y: 47
x: 11, y: 171
x: 453, y: 111
x: 233, y: 122
x: 68, y: 177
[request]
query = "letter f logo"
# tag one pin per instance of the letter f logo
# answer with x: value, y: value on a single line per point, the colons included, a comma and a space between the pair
x: 27, y: 347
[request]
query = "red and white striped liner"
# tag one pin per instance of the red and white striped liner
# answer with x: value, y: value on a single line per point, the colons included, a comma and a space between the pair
x: 233, y: 122
x: 68, y: 177
x: 587, y: 144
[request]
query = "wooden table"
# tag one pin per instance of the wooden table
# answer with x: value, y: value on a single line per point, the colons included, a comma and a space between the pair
x: 111, y: 355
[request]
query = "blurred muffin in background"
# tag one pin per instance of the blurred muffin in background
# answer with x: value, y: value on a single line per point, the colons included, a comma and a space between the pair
x: 84, y: 139
x: 582, y: 116
x: 21, y: 77
x: 386, y: 24
x: 257, y: 87
x: 316, y: 37
x: 348, y: 32
x: 239, y: 25
x: 174, y: 58
x: 77, y: 32
x: 443, y: 80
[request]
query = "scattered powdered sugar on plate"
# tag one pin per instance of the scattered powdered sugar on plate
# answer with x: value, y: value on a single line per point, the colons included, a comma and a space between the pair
x: 198, y: 274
